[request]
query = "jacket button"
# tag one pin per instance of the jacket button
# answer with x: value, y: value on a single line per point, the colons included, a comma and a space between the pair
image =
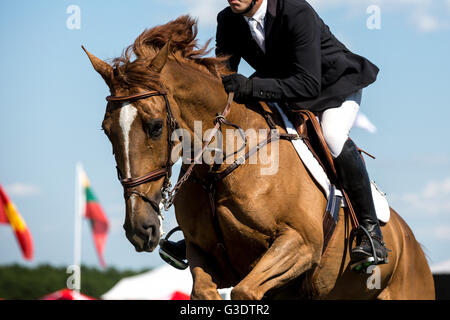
x: 261, y: 93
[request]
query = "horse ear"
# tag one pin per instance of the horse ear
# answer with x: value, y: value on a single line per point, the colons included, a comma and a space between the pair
x: 105, y: 70
x: 160, y: 60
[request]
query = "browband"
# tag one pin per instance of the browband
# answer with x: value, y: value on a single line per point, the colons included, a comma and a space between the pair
x: 137, y: 96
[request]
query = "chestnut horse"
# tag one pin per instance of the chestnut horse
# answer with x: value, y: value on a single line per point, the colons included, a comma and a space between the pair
x: 265, y: 237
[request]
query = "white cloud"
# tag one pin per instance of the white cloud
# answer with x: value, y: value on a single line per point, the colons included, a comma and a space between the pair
x: 206, y: 11
x: 20, y: 189
x: 443, y: 267
x: 442, y: 232
x: 435, y: 189
x: 364, y: 123
x: 433, y: 199
x: 436, y: 232
x: 426, y: 23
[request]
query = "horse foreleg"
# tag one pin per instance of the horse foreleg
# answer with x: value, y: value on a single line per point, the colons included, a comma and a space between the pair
x: 205, y: 280
x: 287, y: 258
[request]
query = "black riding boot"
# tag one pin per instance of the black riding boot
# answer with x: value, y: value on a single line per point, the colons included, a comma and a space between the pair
x: 355, y: 181
x: 173, y: 252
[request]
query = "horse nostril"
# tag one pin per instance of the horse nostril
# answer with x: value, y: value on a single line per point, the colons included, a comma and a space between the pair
x: 148, y: 230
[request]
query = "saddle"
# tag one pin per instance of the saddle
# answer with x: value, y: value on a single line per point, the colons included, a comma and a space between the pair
x: 308, y: 128
x: 310, y: 131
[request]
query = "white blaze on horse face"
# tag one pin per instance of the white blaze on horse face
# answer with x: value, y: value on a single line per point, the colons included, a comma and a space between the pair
x: 128, y: 114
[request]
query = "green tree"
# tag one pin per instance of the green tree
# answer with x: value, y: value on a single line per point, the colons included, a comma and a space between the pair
x: 23, y: 283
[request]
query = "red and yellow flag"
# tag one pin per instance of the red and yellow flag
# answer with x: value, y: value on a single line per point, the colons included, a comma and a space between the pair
x: 96, y: 215
x: 10, y: 215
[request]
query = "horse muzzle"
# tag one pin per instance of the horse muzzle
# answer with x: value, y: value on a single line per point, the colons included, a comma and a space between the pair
x: 143, y: 226
x: 143, y: 242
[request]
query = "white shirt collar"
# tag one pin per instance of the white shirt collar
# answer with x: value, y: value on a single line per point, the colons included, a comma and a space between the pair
x: 260, y: 14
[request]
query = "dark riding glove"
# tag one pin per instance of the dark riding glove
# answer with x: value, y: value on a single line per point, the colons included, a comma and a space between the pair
x: 240, y: 85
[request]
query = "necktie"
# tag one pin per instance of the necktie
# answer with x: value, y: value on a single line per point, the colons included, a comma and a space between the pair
x: 257, y: 33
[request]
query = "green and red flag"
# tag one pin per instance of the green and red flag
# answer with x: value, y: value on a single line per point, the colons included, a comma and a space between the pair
x: 10, y: 215
x: 94, y: 212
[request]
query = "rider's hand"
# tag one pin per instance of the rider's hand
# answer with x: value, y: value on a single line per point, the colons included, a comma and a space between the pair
x: 240, y: 85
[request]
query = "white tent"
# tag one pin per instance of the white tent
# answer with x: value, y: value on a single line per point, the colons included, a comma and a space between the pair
x: 158, y: 284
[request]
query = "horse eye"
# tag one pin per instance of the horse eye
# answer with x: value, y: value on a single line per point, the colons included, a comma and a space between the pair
x: 154, y: 128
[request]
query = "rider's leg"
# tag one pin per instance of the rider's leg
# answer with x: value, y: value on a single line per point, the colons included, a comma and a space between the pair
x: 336, y: 124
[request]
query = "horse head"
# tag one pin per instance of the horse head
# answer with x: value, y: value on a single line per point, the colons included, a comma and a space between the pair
x: 137, y: 123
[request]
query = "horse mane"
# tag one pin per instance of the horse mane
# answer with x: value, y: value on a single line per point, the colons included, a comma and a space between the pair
x: 182, y: 35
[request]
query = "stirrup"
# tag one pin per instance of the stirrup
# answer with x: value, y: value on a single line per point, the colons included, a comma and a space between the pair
x: 362, y: 265
x: 167, y: 257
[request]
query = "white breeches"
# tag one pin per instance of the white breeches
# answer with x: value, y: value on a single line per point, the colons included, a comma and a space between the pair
x: 336, y: 123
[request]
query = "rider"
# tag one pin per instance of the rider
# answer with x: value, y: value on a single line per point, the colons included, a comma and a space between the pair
x: 298, y: 60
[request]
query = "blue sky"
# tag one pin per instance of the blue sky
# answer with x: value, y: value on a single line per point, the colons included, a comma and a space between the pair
x: 53, y: 104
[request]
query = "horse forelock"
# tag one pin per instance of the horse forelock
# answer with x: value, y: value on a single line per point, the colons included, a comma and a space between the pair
x: 131, y: 68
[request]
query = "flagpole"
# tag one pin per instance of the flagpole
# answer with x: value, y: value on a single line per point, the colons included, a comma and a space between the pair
x: 78, y: 227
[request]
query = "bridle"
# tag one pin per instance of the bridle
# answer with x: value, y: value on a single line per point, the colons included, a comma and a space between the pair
x: 129, y: 184
x: 168, y: 195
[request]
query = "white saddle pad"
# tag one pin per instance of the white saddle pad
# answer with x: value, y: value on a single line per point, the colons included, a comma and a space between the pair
x: 316, y: 170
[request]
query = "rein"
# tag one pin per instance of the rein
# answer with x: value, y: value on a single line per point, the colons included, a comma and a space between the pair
x: 170, y: 195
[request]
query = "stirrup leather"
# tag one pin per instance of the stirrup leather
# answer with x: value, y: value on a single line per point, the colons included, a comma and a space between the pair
x: 363, y: 264
x: 167, y: 257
